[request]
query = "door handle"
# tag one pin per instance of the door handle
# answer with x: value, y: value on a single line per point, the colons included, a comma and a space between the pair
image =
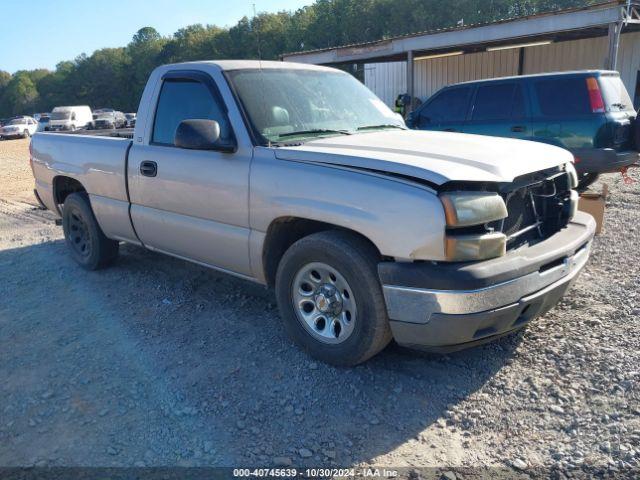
x: 518, y: 128
x: 148, y: 168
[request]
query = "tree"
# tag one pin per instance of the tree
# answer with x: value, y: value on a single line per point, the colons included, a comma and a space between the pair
x: 20, y: 94
x: 146, y: 35
x: 5, y: 78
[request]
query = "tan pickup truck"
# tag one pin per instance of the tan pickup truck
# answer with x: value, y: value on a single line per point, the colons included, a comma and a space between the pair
x: 298, y: 177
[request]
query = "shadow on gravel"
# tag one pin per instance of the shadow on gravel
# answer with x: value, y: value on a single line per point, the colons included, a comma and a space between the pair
x: 161, y: 362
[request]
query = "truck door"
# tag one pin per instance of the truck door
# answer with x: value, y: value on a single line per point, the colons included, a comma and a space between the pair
x: 192, y: 204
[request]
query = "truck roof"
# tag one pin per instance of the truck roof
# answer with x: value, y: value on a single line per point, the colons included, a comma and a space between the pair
x: 263, y: 64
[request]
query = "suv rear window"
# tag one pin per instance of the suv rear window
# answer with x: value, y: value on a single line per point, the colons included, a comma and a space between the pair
x: 561, y: 97
x: 614, y: 93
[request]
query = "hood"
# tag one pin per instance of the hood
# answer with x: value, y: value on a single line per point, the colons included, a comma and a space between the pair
x: 437, y: 157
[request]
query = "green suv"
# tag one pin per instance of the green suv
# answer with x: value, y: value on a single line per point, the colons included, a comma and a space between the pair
x: 589, y: 113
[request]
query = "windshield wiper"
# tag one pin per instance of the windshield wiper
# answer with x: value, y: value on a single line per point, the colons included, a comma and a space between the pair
x: 315, y: 131
x: 384, y: 125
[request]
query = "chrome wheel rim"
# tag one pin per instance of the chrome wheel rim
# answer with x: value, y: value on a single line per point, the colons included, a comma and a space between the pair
x: 324, y: 303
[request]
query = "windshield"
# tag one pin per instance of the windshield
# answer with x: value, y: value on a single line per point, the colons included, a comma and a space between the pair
x: 61, y: 115
x: 282, y: 102
x: 107, y: 115
x: 18, y: 121
x: 615, y: 94
x: 130, y: 116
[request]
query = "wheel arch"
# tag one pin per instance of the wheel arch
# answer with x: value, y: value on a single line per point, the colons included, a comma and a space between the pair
x: 63, y: 186
x: 285, y: 231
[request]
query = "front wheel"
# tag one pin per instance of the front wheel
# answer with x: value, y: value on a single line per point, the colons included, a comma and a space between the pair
x: 26, y: 134
x: 87, y: 243
x: 330, y: 298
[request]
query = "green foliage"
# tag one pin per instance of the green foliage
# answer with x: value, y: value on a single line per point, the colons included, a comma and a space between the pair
x: 115, y: 77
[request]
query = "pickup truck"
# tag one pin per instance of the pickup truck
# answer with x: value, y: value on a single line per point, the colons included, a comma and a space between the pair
x: 299, y: 178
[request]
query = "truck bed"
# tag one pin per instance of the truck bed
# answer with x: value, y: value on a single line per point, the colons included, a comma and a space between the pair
x: 97, y: 161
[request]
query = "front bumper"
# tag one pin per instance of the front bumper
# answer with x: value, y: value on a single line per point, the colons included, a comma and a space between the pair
x: 11, y: 134
x: 603, y: 160
x: 451, y: 306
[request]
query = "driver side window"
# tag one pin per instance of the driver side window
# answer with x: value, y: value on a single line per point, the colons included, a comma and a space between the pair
x: 184, y: 99
x: 448, y: 106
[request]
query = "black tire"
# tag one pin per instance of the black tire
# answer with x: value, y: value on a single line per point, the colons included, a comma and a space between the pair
x: 586, y: 180
x: 26, y: 134
x: 356, y: 261
x: 88, y: 245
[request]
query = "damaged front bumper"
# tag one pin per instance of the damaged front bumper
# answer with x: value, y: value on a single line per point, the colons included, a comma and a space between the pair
x: 443, y: 307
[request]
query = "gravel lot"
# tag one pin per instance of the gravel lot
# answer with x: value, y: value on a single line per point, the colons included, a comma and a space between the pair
x: 159, y: 362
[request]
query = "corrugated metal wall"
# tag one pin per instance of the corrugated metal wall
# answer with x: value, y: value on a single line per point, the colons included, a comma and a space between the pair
x: 388, y: 80
x: 589, y: 53
x: 432, y: 75
x: 629, y: 60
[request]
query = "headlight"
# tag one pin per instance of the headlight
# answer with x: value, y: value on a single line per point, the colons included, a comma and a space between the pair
x: 573, y: 175
x: 463, y: 248
x: 464, y: 209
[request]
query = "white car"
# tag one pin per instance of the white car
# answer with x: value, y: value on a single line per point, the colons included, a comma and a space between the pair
x: 19, y: 127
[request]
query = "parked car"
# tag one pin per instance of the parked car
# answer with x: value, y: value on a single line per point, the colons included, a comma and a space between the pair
x: 108, y: 119
x: 43, y: 122
x: 19, y: 127
x: 131, y: 120
x: 589, y: 113
x: 298, y: 177
x: 70, y: 118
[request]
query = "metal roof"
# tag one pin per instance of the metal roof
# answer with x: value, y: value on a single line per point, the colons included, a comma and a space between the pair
x: 582, y: 21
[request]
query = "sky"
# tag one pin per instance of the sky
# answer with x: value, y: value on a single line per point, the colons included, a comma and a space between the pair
x: 41, y: 33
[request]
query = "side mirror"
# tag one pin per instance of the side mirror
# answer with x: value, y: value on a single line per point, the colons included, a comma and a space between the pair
x: 199, y: 134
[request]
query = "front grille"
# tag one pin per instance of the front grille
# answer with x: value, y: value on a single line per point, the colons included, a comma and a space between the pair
x: 538, y: 206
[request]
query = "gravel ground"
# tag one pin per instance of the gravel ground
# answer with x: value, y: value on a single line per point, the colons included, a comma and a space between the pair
x: 159, y: 362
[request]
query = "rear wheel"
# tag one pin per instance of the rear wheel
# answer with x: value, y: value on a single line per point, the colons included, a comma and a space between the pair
x: 330, y: 298
x: 26, y: 134
x: 88, y: 245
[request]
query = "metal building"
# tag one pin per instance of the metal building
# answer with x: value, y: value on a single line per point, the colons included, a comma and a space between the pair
x: 605, y: 35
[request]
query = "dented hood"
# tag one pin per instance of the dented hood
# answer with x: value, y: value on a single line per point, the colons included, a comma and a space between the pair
x: 437, y: 157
